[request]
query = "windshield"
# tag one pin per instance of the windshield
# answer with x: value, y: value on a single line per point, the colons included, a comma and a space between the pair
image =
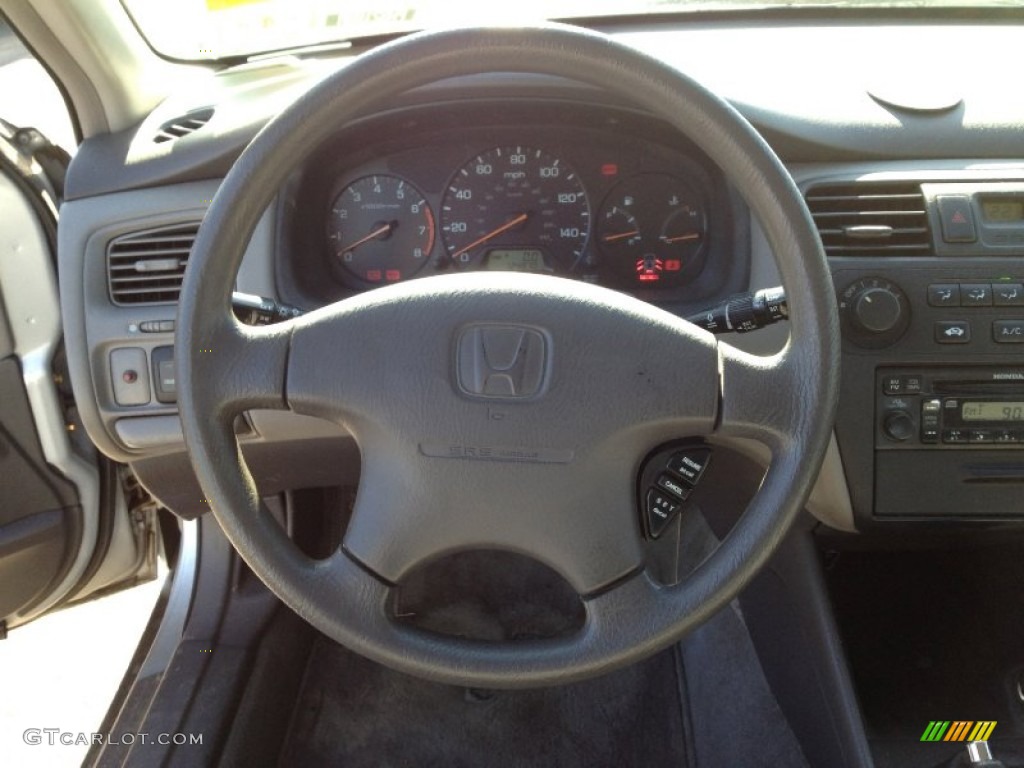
x: 216, y: 29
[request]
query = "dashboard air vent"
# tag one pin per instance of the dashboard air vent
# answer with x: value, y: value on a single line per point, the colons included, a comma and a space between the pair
x: 183, y: 125
x: 871, y: 218
x: 147, y: 267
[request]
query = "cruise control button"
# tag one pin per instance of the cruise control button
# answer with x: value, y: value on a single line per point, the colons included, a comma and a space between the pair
x: 952, y: 331
x: 1008, y: 331
x: 661, y: 508
x: 690, y: 465
x: 1008, y: 294
x: 673, y: 486
x: 944, y: 295
x: 975, y: 295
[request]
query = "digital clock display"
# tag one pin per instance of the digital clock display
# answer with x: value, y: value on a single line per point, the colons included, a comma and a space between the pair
x: 1003, y: 210
x: 998, y: 411
x: 516, y: 260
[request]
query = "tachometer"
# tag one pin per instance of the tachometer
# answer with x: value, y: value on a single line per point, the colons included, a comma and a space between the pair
x: 515, y: 208
x: 381, y: 229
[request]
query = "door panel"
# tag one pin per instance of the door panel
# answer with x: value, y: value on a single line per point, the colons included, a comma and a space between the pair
x: 49, y: 494
x: 40, y: 520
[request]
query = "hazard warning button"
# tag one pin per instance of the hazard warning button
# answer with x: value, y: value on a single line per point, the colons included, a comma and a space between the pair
x: 957, y: 219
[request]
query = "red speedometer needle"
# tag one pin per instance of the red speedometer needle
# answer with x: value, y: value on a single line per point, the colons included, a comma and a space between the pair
x: 621, y: 235
x: 677, y: 238
x: 493, y: 233
x: 383, y: 229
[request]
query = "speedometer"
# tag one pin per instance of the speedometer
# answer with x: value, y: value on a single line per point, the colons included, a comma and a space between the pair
x: 515, y: 208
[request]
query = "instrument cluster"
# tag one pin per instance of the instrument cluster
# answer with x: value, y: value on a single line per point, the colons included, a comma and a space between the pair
x: 519, y: 208
x: 606, y: 204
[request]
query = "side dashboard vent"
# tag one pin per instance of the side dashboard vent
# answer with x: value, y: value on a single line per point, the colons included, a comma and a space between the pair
x: 871, y: 218
x: 147, y: 267
x: 183, y: 125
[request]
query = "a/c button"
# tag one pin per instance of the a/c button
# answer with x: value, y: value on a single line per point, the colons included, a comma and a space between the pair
x: 1008, y: 331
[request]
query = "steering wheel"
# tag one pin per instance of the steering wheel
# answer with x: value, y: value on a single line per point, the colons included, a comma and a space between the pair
x: 608, y: 379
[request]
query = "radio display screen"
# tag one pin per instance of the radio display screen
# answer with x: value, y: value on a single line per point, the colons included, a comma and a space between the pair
x: 993, y: 411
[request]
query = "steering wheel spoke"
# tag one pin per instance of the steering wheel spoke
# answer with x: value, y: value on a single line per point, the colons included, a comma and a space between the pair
x: 241, y: 367
x: 760, y: 396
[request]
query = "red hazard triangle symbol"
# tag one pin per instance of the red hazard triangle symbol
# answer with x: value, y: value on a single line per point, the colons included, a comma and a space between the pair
x: 959, y: 218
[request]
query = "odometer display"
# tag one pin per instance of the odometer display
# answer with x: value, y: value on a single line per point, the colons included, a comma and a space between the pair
x: 517, y: 200
x: 515, y: 260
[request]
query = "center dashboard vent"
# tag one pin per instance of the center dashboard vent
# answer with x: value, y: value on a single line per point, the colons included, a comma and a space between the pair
x: 183, y: 125
x: 147, y: 267
x: 870, y: 218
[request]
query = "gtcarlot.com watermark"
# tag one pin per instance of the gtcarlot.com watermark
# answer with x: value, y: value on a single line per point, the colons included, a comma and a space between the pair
x: 56, y: 737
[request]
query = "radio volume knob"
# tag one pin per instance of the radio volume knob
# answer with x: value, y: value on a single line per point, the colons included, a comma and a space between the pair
x: 878, y: 310
x: 898, y: 426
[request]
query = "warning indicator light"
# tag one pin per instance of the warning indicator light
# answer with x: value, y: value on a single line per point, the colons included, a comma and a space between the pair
x: 648, y: 269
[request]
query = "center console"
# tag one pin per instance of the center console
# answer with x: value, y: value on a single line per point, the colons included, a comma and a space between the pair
x: 929, y: 277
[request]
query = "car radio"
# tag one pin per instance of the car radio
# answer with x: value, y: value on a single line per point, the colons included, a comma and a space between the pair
x: 955, y: 407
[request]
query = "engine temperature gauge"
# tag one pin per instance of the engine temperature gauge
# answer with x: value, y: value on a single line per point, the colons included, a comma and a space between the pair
x: 651, y: 229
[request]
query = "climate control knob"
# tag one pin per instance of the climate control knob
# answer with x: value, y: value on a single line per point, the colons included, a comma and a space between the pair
x: 875, y: 312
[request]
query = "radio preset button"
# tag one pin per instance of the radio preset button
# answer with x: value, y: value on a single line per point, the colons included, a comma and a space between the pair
x: 952, y: 332
x: 982, y: 436
x: 1008, y: 294
x: 975, y: 294
x: 944, y: 295
x: 1008, y: 331
x: 1005, y: 436
x: 954, y: 436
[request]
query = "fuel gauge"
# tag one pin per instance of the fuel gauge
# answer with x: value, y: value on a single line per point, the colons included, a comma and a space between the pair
x: 651, y: 228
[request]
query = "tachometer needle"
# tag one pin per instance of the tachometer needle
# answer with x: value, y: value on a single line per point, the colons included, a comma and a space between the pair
x: 383, y: 229
x: 678, y: 238
x: 493, y: 233
x: 621, y: 235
